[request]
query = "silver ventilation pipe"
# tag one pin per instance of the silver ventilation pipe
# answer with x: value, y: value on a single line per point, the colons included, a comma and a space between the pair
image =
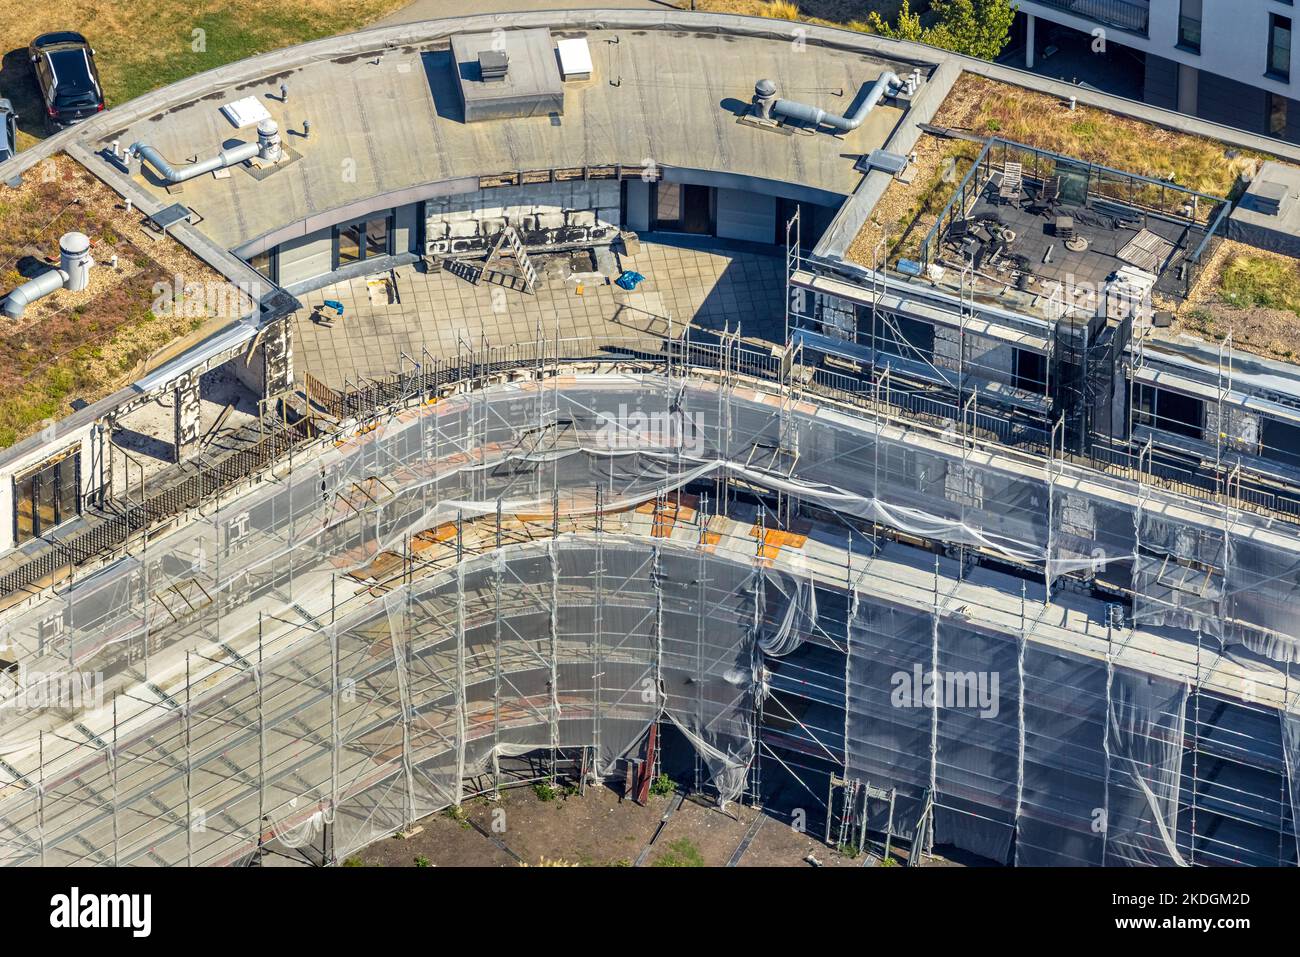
x: 73, y: 274
x: 179, y: 174
x: 815, y: 116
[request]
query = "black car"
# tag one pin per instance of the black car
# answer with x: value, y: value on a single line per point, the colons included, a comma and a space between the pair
x: 65, y: 69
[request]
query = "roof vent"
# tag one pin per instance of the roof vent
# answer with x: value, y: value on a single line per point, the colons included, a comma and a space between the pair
x: 493, y: 64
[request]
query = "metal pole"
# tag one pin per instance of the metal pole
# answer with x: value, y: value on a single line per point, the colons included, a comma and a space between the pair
x: 189, y: 770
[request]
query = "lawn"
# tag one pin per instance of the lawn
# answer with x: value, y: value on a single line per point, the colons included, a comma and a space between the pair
x: 1268, y: 282
x: 142, y: 46
x: 1250, y: 294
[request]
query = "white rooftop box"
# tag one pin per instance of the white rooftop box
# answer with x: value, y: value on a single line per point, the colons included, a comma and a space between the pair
x: 575, y: 58
x: 246, y: 112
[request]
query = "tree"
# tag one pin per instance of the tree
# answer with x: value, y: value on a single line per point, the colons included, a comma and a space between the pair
x: 908, y: 28
x: 979, y: 28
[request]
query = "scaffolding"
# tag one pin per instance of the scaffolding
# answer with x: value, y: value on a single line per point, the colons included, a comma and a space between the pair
x: 523, y: 561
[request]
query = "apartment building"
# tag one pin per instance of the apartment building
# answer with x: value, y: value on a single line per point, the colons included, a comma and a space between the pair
x: 1227, y: 61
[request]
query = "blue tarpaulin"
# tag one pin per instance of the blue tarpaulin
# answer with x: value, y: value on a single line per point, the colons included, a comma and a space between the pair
x: 629, y: 280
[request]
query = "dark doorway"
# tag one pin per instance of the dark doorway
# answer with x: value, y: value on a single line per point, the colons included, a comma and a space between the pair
x: 1030, y: 371
x: 683, y: 208
x: 1171, y: 411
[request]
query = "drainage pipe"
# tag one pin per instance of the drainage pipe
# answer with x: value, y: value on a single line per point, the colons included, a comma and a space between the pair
x: 815, y: 116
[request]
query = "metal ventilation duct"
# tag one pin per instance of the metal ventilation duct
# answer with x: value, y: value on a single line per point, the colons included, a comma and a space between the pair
x: 267, y: 148
x: 73, y: 274
x: 767, y: 106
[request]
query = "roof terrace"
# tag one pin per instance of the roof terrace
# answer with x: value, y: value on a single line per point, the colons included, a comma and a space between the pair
x: 1032, y: 230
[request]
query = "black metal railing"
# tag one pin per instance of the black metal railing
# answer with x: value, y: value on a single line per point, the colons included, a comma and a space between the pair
x: 1122, y: 14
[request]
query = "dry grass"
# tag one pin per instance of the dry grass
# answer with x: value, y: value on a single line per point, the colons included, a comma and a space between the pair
x: 1247, y: 293
x: 990, y: 108
x: 142, y: 46
x: 907, y: 210
x: 85, y: 345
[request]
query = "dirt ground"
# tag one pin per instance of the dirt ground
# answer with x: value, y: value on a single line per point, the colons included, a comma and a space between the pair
x: 599, y: 830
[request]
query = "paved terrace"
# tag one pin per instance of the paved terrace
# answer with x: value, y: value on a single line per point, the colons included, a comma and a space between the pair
x: 709, y: 289
x: 391, y: 121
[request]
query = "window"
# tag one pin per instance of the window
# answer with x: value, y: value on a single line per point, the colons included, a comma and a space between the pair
x: 1281, y: 441
x: 1170, y: 411
x: 1276, y: 115
x: 1189, y: 26
x: 47, y: 496
x: 901, y: 336
x: 349, y: 245
x: 683, y: 208
x: 1279, y: 47
x: 359, y: 241
x: 377, y: 236
x: 267, y: 264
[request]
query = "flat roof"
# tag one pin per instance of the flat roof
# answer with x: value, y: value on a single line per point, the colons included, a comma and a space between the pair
x: 385, y: 123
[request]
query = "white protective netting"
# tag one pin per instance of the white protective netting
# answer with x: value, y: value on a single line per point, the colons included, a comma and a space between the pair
x: 394, y: 697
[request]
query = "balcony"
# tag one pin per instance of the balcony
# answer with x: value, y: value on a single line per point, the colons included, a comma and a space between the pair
x: 1130, y: 16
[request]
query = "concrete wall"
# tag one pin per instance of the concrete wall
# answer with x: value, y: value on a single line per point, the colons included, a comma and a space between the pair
x: 745, y: 215
x: 581, y: 211
x: 638, y: 205
x: 986, y: 359
x: 1241, y: 429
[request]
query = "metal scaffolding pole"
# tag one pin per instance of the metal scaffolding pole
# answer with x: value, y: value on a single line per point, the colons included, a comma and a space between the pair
x: 554, y: 633
x: 461, y: 726
x: 189, y: 769
x: 335, y: 744
x: 598, y: 660
x: 261, y: 739
x: 112, y: 756
x: 1105, y: 747
x: 498, y: 562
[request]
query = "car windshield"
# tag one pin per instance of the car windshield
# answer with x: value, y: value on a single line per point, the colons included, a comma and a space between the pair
x: 73, y: 73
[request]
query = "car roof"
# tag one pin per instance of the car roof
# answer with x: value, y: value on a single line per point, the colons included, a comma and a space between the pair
x: 52, y: 39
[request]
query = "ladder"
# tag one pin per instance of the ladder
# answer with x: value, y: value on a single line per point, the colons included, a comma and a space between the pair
x: 510, y: 237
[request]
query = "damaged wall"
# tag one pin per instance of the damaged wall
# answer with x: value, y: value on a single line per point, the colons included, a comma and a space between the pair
x: 580, y: 211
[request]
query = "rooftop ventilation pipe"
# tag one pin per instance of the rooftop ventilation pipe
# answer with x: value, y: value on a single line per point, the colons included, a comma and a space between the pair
x: 765, y: 105
x: 267, y: 148
x: 73, y: 274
